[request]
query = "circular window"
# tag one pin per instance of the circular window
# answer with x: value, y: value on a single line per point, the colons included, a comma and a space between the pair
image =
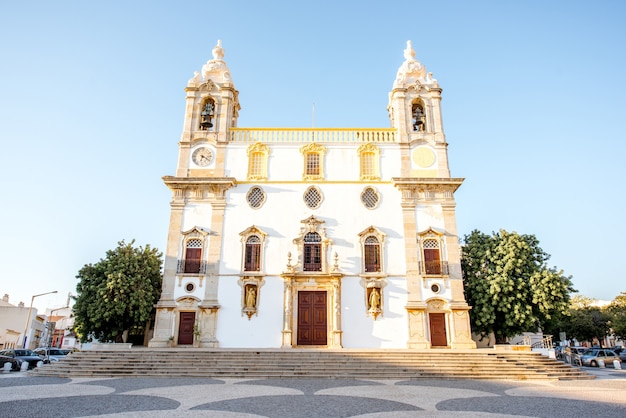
x: 255, y: 197
x: 313, y: 197
x: 435, y: 288
x: 370, y: 197
x: 189, y: 287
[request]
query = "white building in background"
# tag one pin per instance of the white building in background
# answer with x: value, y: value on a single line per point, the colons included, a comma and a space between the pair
x: 15, y: 320
x: 312, y: 237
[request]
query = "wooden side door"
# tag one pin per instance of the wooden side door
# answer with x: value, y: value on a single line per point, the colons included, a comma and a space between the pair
x: 312, y: 320
x: 185, y: 327
x: 438, y: 330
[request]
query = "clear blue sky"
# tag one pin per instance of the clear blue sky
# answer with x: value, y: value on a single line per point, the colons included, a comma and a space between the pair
x: 92, y: 102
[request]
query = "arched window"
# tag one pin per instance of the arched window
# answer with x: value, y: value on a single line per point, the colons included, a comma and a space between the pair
x: 193, y: 256
x: 252, y: 241
x: 252, y: 260
x: 207, y: 115
x: 371, y: 250
x: 312, y: 255
x: 419, y: 117
x: 372, y: 239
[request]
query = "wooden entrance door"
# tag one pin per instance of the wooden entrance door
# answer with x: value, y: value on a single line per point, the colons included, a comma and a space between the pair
x: 185, y: 327
x: 438, y: 330
x: 312, y: 321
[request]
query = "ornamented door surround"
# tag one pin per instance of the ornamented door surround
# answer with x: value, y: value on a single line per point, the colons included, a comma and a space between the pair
x: 205, y: 319
x: 456, y: 319
x: 331, y: 283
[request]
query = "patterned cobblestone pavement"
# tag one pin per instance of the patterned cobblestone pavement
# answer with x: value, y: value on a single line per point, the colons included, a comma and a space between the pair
x: 23, y: 395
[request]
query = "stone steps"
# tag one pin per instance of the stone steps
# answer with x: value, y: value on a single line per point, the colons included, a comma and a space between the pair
x: 313, y: 363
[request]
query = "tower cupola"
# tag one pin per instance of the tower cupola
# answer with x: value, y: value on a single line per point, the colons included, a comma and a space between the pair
x: 414, y: 102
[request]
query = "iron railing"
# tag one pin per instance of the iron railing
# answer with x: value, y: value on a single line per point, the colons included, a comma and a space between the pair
x: 199, y: 268
x: 433, y: 268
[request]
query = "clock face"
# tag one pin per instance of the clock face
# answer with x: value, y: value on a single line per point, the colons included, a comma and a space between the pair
x: 202, y: 156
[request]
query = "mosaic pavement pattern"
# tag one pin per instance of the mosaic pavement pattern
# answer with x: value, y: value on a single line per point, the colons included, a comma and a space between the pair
x: 31, y: 396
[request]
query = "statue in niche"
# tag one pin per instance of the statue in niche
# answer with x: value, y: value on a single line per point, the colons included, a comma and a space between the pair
x: 250, y: 296
x: 374, y: 299
x: 374, y: 302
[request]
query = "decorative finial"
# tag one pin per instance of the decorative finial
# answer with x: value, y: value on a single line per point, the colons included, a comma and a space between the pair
x: 218, y: 51
x: 409, y: 52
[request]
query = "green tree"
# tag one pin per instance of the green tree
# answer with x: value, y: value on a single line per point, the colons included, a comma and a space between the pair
x: 586, y: 323
x: 617, y: 315
x: 117, y: 293
x: 509, y: 285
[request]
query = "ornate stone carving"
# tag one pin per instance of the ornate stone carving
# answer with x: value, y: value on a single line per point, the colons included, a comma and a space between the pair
x: 436, y: 305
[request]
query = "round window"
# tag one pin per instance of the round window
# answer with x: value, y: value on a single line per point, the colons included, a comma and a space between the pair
x: 256, y: 197
x: 435, y: 288
x: 313, y: 197
x: 189, y: 287
x: 370, y: 197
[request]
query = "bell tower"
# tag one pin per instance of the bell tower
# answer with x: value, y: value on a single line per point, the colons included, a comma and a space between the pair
x: 426, y: 186
x: 415, y: 111
x: 212, y: 108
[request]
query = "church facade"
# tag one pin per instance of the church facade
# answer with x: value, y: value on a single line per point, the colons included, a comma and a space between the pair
x: 313, y: 237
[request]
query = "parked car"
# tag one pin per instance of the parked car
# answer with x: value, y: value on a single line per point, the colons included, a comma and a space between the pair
x: 15, y: 365
x: 22, y: 355
x: 572, y: 355
x: 593, y: 356
x: 50, y: 354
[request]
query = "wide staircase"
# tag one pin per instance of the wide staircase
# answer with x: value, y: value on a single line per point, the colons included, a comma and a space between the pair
x: 312, y: 363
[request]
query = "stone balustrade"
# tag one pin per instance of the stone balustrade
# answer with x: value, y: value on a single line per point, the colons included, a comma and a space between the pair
x: 313, y: 135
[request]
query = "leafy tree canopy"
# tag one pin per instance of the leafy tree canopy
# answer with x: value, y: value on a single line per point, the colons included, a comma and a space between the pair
x: 617, y: 315
x: 509, y: 285
x: 117, y: 293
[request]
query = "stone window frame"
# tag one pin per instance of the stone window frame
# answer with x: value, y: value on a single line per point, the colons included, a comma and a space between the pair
x: 249, y: 197
x: 363, y: 199
x: 372, y: 232
x: 258, y: 156
x: 310, y: 152
x: 425, y: 241
x: 307, y: 200
x: 187, y: 238
x: 248, y: 233
x: 313, y: 225
x: 369, y: 165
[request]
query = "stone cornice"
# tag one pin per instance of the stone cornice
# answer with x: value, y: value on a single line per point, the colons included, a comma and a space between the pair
x: 199, y: 188
x: 426, y: 189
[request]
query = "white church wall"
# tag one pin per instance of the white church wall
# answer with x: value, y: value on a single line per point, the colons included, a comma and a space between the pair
x: 429, y: 216
x: 286, y: 163
x: 360, y: 330
x: 341, y: 210
x: 196, y: 214
x: 263, y: 330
